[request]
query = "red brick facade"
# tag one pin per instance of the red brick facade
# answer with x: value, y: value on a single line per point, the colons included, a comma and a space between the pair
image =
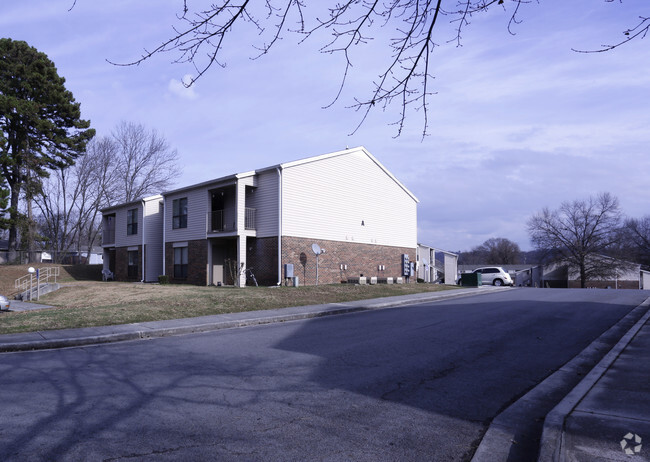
x: 197, y: 263
x: 121, y: 270
x: 262, y: 257
x: 360, y: 259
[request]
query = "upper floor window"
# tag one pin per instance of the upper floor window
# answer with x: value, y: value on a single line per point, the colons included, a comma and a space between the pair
x: 179, y: 219
x: 131, y: 222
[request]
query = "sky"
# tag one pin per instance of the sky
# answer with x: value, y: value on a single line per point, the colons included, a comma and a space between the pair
x: 519, y: 121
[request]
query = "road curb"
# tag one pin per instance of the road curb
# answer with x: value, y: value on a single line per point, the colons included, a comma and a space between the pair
x: 500, y: 441
x: 552, y: 442
x: 142, y: 331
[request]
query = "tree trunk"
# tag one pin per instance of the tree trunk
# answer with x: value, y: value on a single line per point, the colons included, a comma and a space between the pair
x: 13, y: 216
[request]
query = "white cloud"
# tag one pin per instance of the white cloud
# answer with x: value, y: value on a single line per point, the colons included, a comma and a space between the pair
x: 180, y: 87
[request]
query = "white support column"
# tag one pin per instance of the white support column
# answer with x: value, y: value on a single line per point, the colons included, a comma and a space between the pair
x: 210, y: 271
x: 240, y: 207
x: 241, y: 258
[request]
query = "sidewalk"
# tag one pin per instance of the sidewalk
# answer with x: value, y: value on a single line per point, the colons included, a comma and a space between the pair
x: 107, y: 334
x: 607, y: 416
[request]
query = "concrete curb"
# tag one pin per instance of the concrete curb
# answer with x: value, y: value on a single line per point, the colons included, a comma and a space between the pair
x: 552, y: 442
x: 500, y: 441
x: 156, y: 329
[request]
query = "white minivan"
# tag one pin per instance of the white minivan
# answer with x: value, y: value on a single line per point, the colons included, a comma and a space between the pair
x: 494, y: 275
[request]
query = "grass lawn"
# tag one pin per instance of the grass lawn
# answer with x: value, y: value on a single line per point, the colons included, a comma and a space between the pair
x: 93, y: 303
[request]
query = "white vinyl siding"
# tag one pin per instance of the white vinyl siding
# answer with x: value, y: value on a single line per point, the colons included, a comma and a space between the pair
x: 197, y: 210
x: 122, y: 239
x: 349, y: 198
x: 153, y: 238
x: 265, y: 202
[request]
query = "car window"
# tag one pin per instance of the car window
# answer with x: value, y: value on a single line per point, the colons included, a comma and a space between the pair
x: 491, y: 270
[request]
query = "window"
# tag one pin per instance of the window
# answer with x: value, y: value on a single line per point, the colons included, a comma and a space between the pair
x: 131, y: 222
x: 180, y: 263
x: 132, y: 268
x: 179, y: 219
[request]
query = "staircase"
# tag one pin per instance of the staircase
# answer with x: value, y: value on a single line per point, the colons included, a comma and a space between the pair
x: 42, y: 281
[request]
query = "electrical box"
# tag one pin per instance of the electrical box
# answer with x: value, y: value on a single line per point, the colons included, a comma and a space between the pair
x: 288, y: 270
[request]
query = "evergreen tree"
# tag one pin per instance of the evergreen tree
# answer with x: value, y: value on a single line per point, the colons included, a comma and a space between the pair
x: 40, y: 123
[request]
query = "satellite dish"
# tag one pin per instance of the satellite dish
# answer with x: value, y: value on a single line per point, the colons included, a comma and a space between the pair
x: 316, y: 249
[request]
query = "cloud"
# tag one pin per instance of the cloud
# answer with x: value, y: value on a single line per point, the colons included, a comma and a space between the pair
x: 179, y: 87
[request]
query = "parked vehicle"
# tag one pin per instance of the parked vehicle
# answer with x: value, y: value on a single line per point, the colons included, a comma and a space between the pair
x: 494, y: 275
x: 4, y: 303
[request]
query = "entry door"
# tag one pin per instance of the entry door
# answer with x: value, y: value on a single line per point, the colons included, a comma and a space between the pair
x: 218, y: 257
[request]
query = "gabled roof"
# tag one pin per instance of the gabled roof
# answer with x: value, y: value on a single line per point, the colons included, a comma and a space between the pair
x: 285, y: 165
x: 132, y: 203
x: 344, y: 152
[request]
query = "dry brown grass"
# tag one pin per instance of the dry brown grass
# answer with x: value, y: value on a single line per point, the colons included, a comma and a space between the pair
x: 67, y: 273
x: 85, y: 304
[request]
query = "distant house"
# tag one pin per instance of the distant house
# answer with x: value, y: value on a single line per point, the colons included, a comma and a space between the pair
x: 434, y: 264
x: 627, y: 276
x: 270, y: 221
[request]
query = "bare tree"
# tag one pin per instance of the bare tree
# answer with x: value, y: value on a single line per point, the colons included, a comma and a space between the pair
x: 145, y: 163
x: 128, y: 165
x: 70, y: 199
x: 581, y: 234
x: 636, y: 235
x: 417, y: 28
x: 500, y: 251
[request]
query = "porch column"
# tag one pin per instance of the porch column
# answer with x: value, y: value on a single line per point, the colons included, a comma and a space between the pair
x: 209, y: 272
x: 241, y: 258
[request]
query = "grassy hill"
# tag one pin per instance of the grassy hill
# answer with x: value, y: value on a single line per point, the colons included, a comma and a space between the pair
x: 67, y: 273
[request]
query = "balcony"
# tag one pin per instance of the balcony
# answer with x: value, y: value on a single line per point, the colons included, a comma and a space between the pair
x: 108, y: 230
x: 108, y: 237
x: 225, y: 221
x: 249, y: 219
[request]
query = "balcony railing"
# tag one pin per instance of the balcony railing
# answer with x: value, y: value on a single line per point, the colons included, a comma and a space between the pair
x: 108, y: 237
x: 225, y: 221
x: 249, y: 219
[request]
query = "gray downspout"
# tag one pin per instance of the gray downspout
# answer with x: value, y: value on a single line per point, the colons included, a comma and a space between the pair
x: 144, y: 255
x: 279, y: 225
x: 164, y: 233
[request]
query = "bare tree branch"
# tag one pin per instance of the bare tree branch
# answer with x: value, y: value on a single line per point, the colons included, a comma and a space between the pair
x: 640, y: 31
x: 145, y: 162
x: 406, y: 76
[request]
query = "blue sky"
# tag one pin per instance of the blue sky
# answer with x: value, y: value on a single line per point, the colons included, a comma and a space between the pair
x: 519, y: 122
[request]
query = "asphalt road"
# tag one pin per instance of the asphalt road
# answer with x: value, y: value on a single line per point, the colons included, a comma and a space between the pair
x: 412, y: 383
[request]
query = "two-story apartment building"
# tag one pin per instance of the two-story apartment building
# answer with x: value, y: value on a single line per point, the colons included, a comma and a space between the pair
x: 345, y: 202
x: 132, y: 239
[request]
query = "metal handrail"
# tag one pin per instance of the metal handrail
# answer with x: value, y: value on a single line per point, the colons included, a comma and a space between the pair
x: 43, y: 276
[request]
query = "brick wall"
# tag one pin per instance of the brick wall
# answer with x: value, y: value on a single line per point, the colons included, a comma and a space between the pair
x: 197, y: 263
x: 122, y: 264
x: 361, y: 259
x: 262, y: 256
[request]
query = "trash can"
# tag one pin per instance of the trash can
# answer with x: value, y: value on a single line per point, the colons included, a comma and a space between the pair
x: 470, y: 279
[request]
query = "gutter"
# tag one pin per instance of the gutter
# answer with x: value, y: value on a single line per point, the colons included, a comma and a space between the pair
x: 143, y: 240
x: 279, y: 170
x: 164, y: 234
